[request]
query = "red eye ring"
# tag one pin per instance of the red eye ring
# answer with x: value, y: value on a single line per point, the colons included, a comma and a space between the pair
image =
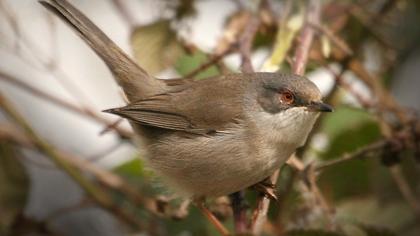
x: 287, y: 97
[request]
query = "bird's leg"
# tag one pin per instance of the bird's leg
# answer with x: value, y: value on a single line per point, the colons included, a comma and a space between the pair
x: 239, y: 211
x: 199, y: 202
x: 266, y: 187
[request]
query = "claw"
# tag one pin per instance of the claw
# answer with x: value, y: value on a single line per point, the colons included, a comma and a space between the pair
x: 267, y: 188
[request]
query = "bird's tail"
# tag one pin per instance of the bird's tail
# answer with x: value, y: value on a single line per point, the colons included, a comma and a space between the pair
x: 135, y: 81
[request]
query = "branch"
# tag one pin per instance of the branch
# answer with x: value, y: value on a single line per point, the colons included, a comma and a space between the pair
x: 107, y: 178
x: 97, y: 194
x: 125, y: 13
x: 306, y: 37
x: 214, y: 59
x: 311, y: 182
x: 125, y: 134
x: 245, y: 44
x: 354, y: 155
x: 260, y: 213
x: 301, y: 57
x: 44, y: 62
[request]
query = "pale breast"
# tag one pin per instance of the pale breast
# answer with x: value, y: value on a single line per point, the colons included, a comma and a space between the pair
x: 209, y: 166
x: 228, y: 162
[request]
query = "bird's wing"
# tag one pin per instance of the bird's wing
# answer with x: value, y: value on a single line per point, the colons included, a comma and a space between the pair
x: 202, y: 107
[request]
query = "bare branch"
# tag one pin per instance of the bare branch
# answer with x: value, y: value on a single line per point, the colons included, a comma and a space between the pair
x: 301, y: 54
x: 245, y: 44
x: 96, y: 193
x: 64, y: 104
x: 124, y: 11
x: 213, y: 60
x: 306, y: 37
x: 354, y: 155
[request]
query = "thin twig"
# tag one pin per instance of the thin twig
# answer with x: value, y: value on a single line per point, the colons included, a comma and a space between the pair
x: 44, y: 63
x: 125, y: 12
x: 12, y: 20
x: 214, y: 59
x: 366, y: 103
x: 340, y: 43
x: 405, y: 189
x: 220, y: 227
x: 329, y: 211
x: 64, y: 104
x: 96, y: 193
x: 105, y: 177
x: 354, y: 155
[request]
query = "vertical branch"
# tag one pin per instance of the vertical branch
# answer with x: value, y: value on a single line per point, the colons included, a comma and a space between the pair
x: 306, y: 37
x: 301, y: 57
x: 245, y: 44
x: 260, y: 213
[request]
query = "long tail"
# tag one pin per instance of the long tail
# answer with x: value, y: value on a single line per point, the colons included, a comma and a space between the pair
x: 135, y: 81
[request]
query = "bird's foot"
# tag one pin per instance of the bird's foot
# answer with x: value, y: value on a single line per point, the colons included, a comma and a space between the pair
x: 267, y: 188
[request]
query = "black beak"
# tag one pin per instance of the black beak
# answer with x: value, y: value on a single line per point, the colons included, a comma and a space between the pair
x: 319, y: 107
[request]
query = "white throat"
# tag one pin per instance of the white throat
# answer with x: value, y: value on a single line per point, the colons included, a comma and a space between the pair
x: 290, y: 127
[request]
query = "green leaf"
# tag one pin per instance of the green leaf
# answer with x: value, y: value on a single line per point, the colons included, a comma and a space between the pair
x: 131, y: 167
x: 348, y: 130
x: 133, y: 170
x: 344, y: 119
x: 155, y: 46
x: 13, y: 186
x: 188, y: 63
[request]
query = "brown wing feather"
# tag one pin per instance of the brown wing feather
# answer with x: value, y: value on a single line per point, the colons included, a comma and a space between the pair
x: 202, y: 106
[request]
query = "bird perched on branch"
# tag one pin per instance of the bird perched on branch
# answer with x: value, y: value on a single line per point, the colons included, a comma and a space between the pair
x: 208, y: 137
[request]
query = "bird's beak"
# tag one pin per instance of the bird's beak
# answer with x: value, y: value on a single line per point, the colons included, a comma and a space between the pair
x: 319, y: 107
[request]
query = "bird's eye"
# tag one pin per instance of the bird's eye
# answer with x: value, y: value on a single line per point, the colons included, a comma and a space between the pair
x: 287, y: 97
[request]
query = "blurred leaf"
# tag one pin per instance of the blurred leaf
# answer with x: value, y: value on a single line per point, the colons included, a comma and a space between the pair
x: 141, y: 178
x: 343, y: 119
x: 311, y: 232
x: 349, y: 130
x: 132, y: 167
x: 369, y: 212
x: 371, y: 230
x: 134, y: 170
x: 187, y: 63
x: 325, y: 46
x: 285, y: 35
x: 155, y: 46
x: 13, y: 186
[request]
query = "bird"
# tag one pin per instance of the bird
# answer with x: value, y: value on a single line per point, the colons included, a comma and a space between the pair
x: 209, y: 137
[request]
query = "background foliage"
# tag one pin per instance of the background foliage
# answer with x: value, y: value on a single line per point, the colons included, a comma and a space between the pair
x: 357, y: 175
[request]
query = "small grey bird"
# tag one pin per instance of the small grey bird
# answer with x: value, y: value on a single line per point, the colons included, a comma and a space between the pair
x: 207, y: 137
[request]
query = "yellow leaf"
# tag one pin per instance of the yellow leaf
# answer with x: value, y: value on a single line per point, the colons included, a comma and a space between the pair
x: 155, y: 46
